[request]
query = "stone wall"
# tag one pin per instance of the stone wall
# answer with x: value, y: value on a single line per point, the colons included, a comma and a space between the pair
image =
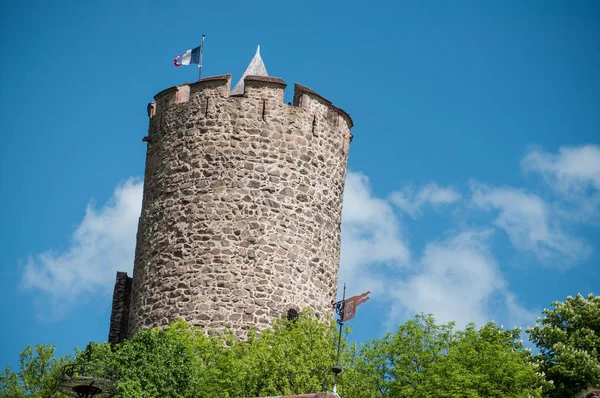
x: 242, y: 205
x: 119, y: 317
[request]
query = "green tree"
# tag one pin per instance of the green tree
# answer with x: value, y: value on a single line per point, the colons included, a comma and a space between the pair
x: 154, y: 363
x: 364, y: 372
x: 568, y: 337
x: 423, y: 359
x: 37, y: 374
x: 291, y: 358
x: 420, y: 359
x: 489, y: 362
x: 181, y: 361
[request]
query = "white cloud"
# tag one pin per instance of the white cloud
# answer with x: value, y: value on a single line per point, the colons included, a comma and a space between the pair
x: 411, y: 201
x: 370, y: 236
x: 520, y: 316
x: 102, y: 244
x: 458, y: 279
x: 530, y: 224
x: 455, y: 279
x: 572, y: 171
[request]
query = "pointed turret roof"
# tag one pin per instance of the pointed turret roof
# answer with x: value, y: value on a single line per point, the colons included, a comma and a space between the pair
x: 256, y: 68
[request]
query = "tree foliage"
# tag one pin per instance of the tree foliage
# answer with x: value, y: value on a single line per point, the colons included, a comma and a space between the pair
x: 489, y: 362
x: 568, y: 337
x: 37, y: 374
x: 422, y: 359
x: 182, y: 361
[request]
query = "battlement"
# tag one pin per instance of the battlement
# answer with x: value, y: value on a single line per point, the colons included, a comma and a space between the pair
x: 258, y: 89
x: 304, y: 95
x: 170, y: 96
x: 261, y: 86
x: 213, y: 85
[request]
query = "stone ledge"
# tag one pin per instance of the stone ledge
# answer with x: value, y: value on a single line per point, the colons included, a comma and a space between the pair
x: 213, y: 78
x: 265, y: 79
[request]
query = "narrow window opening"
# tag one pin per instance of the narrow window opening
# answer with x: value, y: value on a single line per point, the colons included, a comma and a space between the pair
x: 264, y: 106
x: 314, y: 124
x: 206, y: 110
x: 292, y: 314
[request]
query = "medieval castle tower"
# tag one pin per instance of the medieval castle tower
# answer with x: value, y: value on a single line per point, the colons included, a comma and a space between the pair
x: 242, y: 206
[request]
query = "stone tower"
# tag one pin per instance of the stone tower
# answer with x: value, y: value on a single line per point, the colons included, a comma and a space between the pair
x: 242, y: 206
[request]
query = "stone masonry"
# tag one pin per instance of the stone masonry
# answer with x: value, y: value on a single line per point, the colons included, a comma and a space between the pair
x: 242, y: 205
x: 119, y: 319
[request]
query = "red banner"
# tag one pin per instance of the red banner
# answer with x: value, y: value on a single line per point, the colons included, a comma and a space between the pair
x: 352, y: 303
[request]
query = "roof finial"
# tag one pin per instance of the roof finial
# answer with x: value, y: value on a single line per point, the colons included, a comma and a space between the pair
x: 256, y: 68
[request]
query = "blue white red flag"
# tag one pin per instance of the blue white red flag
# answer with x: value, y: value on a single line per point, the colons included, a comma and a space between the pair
x: 189, y: 57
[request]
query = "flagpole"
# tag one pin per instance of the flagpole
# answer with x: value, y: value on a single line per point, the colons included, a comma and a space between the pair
x: 201, y: 56
x: 337, y: 369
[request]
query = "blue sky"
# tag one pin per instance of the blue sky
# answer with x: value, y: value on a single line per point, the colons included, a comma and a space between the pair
x: 473, y: 189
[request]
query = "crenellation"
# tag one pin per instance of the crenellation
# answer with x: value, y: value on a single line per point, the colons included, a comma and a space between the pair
x: 312, y: 101
x: 213, y: 86
x: 270, y: 89
x: 173, y: 95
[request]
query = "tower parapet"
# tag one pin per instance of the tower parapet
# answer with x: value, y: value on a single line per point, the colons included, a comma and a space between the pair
x: 242, y: 205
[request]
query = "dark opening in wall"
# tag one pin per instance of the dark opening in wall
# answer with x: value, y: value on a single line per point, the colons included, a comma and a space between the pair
x: 292, y: 314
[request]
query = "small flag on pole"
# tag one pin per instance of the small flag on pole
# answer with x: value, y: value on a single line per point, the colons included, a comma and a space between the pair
x: 190, y: 57
x: 345, y: 309
x: 351, y: 304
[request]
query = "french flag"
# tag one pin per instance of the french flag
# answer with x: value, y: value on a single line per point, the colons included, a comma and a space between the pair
x: 189, y: 57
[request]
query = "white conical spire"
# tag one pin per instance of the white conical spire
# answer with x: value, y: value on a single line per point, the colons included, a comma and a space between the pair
x: 255, y: 68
